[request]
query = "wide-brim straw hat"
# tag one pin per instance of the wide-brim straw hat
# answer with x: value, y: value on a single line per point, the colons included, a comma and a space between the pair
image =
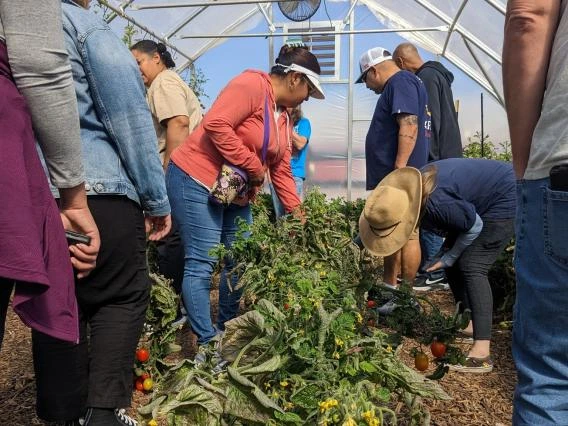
x: 391, y: 212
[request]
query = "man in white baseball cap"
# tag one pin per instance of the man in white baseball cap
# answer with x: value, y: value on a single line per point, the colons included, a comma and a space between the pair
x: 398, y: 137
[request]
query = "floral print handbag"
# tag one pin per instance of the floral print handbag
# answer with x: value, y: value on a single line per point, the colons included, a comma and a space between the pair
x: 232, y: 182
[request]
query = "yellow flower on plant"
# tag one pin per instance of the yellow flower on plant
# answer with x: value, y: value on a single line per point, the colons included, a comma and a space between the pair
x: 339, y: 342
x: 336, y: 355
x: 349, y: 422
x: 288, y: 406
x: 275, y: 394
x: 327, y: 404
x: 359, y: 318
x: 389, y: 349
x: 152, y: 423
x: 283, y: 383
x: 369, y: 417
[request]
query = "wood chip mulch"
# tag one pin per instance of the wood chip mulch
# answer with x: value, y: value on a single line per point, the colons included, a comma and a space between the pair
x: 477, y: 399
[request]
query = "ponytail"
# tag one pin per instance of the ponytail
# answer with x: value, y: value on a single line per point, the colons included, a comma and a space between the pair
x: 150, y: 47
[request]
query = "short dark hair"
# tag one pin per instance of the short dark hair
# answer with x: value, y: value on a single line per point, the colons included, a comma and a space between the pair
x: 150, y: 47
x: 298, y: 55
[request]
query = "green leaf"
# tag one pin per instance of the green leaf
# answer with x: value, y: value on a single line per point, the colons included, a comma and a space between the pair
x: 307, y: 397
x: 289, y: 417
x: 269, y: 366
x: 152, y: 407
x: 268, y: 307
x: 194, y: 395
x: 367, y: 367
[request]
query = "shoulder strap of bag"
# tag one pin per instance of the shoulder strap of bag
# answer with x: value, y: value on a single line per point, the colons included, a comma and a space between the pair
x: 266, y: 131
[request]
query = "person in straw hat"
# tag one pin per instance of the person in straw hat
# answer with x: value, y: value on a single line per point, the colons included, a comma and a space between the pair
x: 398, y: 137
x: 469, y: 202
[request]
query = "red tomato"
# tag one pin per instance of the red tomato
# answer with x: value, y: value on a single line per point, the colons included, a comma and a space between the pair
x: 145, y: 376
x: 286, y: 306
x: 142, y: 355
x: 139, y: 385
x: 371, y: 304
x: 438, y: 349
x: 421, y: 361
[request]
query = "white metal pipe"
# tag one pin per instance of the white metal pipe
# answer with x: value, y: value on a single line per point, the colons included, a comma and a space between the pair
x: 459, y: 29
x: 183, y: 23
x: 376, y: 31
x: 144, y: 28
x: 198, y: 4
x: 495, y: 93
x: 271, y: 26
x: 122, y: 6
x: 453, y: 25
x: 497, y: 6
x: 350, y: 102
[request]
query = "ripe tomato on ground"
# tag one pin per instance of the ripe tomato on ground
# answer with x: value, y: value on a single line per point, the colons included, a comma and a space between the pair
x: 421, y: 361
x: 139, y: 385
x: 148, y: 384
x: 371, y: 304
x: 145, y: 376
x: 438, y: 349
x: 142, y: 355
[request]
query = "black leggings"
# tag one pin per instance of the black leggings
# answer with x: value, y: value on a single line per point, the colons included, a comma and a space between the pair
x: 52, y: 400
x: 6, y: 287
x: 112, y: 305
x: 468, y: 276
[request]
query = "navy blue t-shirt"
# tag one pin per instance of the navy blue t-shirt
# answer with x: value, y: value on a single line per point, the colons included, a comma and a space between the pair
x: 466, y: 186
x: 404, y: 93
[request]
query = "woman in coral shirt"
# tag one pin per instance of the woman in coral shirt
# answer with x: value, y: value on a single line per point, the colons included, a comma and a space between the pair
x: 233, y: 132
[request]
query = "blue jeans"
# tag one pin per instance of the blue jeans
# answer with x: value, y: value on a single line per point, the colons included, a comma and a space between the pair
x: 203, y: 226
x: 430, y: 244
x: 278, y: 206
x: 540, y: 333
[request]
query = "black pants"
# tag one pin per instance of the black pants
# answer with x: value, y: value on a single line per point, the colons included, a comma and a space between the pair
x: 170, y: 258
x: 468, y: 276
x: 51, y: 400
x: 112, y: 305
x: 6, y: 287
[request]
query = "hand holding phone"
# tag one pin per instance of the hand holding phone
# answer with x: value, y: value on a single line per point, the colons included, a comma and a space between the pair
x: 77, y: 238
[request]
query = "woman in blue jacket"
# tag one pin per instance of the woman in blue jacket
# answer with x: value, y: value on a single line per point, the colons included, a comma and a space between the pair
x: 127, y: 195
x: 469, y: 202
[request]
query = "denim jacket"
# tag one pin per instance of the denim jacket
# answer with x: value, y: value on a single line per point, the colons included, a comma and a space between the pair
x: 120, y: 148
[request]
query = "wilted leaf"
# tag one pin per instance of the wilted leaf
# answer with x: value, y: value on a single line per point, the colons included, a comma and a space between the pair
x: 239, y: 332
x: 269, y: 366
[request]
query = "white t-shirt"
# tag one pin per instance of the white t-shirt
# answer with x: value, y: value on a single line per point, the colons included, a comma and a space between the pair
x: 550, y: 139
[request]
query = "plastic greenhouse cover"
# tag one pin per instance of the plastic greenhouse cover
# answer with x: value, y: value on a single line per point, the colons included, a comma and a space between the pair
x: 473, y: 45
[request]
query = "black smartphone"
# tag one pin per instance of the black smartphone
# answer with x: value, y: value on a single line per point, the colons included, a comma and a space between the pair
x: 559, y: 178
x: 77, y: 237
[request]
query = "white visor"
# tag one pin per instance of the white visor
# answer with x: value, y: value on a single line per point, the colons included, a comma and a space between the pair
x: 312, y: 76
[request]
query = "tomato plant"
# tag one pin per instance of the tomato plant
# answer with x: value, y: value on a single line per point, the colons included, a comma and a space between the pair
x: 438, y: 349
x: 421, y: 361
x: 142, y: 355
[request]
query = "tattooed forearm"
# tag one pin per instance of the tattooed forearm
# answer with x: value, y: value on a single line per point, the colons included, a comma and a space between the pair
x: 407, y: 120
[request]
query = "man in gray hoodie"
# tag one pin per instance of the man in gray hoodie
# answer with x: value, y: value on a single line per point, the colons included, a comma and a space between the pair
x: 445, y: 140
